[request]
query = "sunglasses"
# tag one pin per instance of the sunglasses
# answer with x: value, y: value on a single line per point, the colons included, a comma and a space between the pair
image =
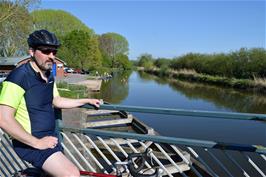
x: 47, y: 51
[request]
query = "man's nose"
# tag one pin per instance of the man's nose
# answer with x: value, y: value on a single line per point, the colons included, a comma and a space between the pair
x: 51, y: 56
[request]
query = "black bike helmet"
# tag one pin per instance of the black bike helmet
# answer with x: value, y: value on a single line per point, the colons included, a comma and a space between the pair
x: 43, y: 38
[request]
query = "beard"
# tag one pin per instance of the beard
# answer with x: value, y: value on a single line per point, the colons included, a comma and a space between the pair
x: 45, y: 66
x: 49, y: 65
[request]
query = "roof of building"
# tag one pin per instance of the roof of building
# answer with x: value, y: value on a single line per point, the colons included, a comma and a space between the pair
x: 12, y: 60
x: 61, y: 61
x: 6, y: 61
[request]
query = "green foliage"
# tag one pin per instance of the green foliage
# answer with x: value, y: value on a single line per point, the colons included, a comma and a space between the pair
x: 123, y: 62
x: 189, y: 61
x: 15, y: 25
x: 258, y: 56
x: 57, y: 21
x: 112, y: 45
x: 249, y: 63
x: 146, y: 61
x: 134, y: 63
x: 71, y: 90
x: 79, y: 47
x: 80, y: 50
x: 218, y: 64
x: 101, y: 71
x: 162, y: 62
x: 106, y: 61
x: 164, y: 71
x: 242, y: 64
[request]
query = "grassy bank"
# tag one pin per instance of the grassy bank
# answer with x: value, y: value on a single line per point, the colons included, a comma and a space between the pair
x: 72, y: 91
x: 258, y: 84
x: 242, y: 64
x: 69, y: 90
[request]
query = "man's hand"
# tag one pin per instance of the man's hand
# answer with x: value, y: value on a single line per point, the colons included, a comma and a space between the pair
x: 46, y: 142
x: 95, y: 102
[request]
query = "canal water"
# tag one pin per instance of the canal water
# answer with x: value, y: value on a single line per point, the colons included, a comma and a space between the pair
x: 140, y: 89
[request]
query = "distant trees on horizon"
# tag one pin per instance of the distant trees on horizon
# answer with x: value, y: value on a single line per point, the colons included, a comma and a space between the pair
x: 242, y: 64
x: 81, y: 46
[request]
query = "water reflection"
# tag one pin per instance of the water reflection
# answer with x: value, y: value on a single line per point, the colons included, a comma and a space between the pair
x: 140, y: 89
x: 115, y: 90
x: 235, y: 100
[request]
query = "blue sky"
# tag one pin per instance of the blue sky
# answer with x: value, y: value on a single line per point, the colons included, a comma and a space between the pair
x: 173, y: 28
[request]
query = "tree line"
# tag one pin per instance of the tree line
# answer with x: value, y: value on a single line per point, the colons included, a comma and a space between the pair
x: 80, y: 47
x: 241, y: 64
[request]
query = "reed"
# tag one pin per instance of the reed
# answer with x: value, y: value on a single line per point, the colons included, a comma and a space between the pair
x: 185, y: 71
x: 258, y: 84
x: 259, y: 81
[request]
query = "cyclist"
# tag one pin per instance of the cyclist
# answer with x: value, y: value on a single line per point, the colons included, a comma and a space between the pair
x: 27, y: 102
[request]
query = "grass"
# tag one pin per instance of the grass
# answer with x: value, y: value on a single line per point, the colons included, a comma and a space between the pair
x: 185, y: 71
x: 260, y: 81
x: 258, y: 84
x: 71, y: 90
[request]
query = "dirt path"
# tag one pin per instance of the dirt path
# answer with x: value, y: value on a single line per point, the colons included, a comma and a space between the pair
x: 93, y: 84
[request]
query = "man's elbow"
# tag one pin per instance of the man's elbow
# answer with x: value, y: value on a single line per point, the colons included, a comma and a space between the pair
x: 57, y: 102
x: 3, y: 123
x: 1, y: 117
x: 6, y: 113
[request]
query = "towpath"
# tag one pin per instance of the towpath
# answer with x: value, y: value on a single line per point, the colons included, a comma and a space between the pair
x: 92, y: 83
x: 75, y: 117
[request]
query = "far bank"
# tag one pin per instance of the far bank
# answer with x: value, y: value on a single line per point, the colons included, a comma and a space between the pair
x: 257, y: 85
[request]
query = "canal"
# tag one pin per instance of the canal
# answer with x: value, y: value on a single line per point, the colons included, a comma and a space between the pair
x: 140, y: 89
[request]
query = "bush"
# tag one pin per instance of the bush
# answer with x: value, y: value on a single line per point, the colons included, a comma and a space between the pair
x: 242, y: 64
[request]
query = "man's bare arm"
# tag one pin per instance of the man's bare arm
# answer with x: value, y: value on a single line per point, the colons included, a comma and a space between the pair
x: 61, y: 102
x: 13, y: 128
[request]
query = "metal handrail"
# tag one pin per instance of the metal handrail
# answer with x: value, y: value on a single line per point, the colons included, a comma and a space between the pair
x: 182, y: 112
x: 214, y: 151
x: 170, y: 140
x: 100, y: 145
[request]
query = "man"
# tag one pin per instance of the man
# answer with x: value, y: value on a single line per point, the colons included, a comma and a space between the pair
x: 27, y: 102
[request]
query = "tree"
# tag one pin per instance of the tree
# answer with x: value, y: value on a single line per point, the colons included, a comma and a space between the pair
x: 112, y: 45
x: 80, y: 50
x: 161, y: 62
x: 123, y: 62
x: 58, y: 22
x: 146, y: 61
x: 79, y: 47
x: 15, y: 25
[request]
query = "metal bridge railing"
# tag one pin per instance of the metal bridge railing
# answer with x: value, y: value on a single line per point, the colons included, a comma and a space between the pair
x: 183, y: 112
x: 9, y: 161
x: 97, y: 150
x: 185, y: 157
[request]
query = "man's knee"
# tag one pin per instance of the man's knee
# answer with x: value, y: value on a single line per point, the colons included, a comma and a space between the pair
x: 68, y: 172
x: 58, y: 165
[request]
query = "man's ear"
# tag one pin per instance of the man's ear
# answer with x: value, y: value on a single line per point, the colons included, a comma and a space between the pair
x: 31, y: 52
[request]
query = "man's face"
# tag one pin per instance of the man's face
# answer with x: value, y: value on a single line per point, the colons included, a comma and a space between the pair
x: 44, y: 57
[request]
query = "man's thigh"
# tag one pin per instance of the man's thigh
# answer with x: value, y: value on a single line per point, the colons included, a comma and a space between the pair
x: 34, y: 156
x: 58, y: 165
